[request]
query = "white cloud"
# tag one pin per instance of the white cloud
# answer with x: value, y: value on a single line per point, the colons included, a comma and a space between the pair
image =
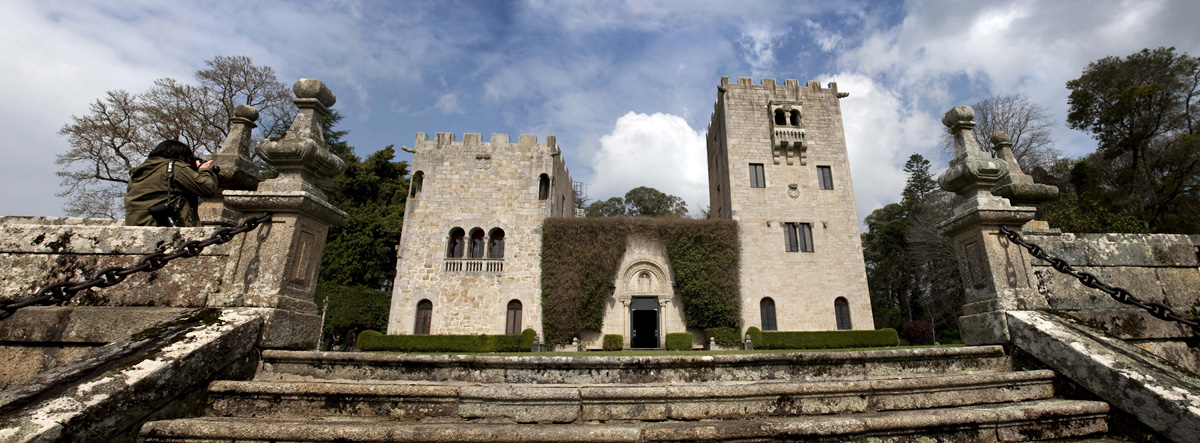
x: 448, y: 104
x: 660, y: 151
x: 881, y: 133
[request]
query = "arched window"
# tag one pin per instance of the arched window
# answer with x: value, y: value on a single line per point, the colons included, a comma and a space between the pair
x: 780, y: 117
x: 496, y: 243
x: 457, y: 243
x: 424, y: 317
x: 477, y: 243
x: 543, y: 187
x: 795, y: 118
x: 512, y: 324
x: 414, y: 188
x: 767, y: 309
x: 841, y: 308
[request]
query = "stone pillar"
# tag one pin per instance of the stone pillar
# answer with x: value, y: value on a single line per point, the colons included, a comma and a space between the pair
x: 1019, y: 188
x: 996, y: 274
x: 238, y: 172
x: 277, y: 264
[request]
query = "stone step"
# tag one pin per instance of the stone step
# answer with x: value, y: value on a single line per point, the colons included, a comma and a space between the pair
x: 1023, y: 421
x: 582, y: 369
x: 532, y: 403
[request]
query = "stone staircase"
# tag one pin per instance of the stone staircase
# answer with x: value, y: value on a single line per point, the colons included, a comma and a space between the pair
x: 947, y: 394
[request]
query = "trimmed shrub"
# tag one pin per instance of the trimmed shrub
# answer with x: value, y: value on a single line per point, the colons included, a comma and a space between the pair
x: 755, y: 335
x: 614, y: 342
x: 376, y: 341
x: 580, y: 257
x: 918, y: 332
x: 527, y: 337
x: 679, y: 341
x: 825, y: 339
x: 726, y: 337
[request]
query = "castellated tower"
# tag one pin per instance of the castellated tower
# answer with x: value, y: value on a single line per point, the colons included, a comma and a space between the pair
x: 777, y: 164
x: 469, y: 256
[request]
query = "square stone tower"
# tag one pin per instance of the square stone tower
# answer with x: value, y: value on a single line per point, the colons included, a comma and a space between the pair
x: 470, y: 253
x: 777, y: 164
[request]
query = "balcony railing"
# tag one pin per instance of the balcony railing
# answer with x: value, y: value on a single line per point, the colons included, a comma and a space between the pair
x: 493, y: 265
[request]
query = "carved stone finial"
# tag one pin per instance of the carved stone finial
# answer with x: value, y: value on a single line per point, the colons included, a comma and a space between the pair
x: 960, y: 118
x: 247, y: 112
x: 301, y: 156
x: 972, y: 173
x: 1017, y: 187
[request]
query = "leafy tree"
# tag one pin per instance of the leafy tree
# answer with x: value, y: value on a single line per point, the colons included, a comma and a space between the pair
x: 912, y: 272
x: 1127, y: 103
x: 651, y: 202
x: 121, y: 128
x: 351, y: 309
x: 642, y: 200
x: 1142, y: 110
x: 920, y: 182
x: 606, y: 208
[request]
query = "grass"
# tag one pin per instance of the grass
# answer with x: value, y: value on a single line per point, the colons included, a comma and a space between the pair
x: 643, y: 353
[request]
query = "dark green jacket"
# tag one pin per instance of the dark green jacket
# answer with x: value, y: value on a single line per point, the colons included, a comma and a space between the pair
x: 148, y: 187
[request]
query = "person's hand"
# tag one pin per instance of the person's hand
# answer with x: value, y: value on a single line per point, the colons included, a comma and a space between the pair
x: 206, y: 165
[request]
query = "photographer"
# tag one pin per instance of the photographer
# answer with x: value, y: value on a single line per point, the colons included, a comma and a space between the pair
x: 165, y: 190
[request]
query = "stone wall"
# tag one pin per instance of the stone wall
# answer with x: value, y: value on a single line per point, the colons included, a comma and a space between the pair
x: 35, y: 251
x: 645, y: 272
x: 803, y: 285
x: 1160, y: 268
x: 473, y: 184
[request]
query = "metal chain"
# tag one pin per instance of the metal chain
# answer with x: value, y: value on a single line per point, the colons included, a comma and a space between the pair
x: 1158, y: 310
x: 60, y: 292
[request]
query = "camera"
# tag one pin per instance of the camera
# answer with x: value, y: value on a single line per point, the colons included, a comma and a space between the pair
x: 215, y: 169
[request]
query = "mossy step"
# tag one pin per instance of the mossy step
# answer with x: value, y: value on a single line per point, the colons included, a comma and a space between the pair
x: 531, y: 403
x: 1024, y: 421
x: 847, y: 365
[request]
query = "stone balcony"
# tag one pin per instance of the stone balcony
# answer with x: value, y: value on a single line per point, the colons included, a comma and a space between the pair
x: 464, y: 265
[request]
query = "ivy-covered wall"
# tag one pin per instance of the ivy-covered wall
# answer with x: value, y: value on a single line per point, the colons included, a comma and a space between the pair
x: 580, y: 257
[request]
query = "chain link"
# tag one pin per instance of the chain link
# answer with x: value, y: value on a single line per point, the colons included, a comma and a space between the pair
x: 1158, y: 310
x: 59, y: 293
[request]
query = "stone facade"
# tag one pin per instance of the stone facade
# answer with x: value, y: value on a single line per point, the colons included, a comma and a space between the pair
x: 474, y: 185
x: 792, y: 151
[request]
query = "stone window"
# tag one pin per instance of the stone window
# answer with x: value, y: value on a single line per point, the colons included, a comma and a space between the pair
x: 825, y: 176
x: 424, y: 317
x: 758, y: 178
x: 795, y: 118
x: 496, y: 243
x: 780, y: 117
x: 512, y: 324
x: 415, y: 187
x: 766, y: 308
x: 457, y: 243
x: 477, y: 243
x: 798, y: 237
x: 543, y: 187
x: 841, y: 309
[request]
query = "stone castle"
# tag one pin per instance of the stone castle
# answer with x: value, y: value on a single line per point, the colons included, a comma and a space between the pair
x: 469, y: 259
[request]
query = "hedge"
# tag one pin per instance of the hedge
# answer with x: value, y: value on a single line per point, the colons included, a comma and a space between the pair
x: 727, y: 337
x: 580, y: 257
x: 679, y: 341
x: 614, y: 342
x: 376, y: 341
x: 823, y: 339
x: 527, y: 337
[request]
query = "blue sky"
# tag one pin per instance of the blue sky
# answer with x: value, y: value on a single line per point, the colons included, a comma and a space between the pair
x: 627, y: 87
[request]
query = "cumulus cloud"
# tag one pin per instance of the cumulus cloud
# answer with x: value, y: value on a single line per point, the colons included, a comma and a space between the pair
x: 448, y: 104
x: 882, y: 131
x: 657, y: 150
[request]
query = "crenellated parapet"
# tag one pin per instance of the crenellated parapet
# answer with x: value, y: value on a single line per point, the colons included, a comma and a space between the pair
x: 474, y: 141
x: 774, y: 86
